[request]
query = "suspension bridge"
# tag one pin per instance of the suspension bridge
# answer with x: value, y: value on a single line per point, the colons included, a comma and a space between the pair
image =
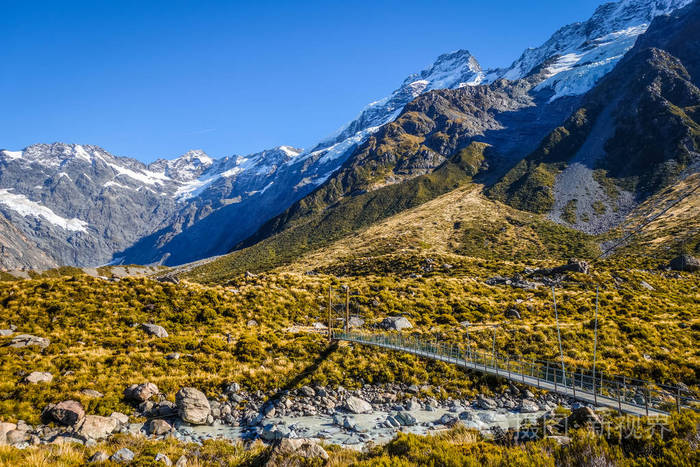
x: 626, y: 395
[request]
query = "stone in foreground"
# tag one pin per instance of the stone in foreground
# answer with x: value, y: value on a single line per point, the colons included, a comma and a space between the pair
x: 123, y: 456
x: 193, y: 406
x: 66, y: 413
x: 357, y: 406
x: 396, y: 323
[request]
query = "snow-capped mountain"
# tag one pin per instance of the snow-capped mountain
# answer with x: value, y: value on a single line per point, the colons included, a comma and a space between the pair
x: 81, y: 205
x: 579, y: 54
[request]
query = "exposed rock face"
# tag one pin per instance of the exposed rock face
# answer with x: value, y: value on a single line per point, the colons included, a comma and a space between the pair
x: 583, y: 416
x: 96, y: 427
x: 38, y: 377
x: 685, y: 263
x: 155, y: 330
x: 356, y: 405
x: 27, y: 340
x: 192, y: 406
x: 141, y: 392
x: 396, y: 323
x: 66, y: 413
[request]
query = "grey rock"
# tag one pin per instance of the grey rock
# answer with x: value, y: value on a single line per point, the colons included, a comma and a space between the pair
x: 28, y: 340
x: 141, y: 392
x: 6, y: 332
x: 96, y: 427
x: 123, y: 456
x: 528, y: 406
x: 120, y: 417
x: 15, y: 437
x: 38, y: 377
x: 486, y: 403
x: 357, y: 406
x: 685, y: 263
x: 173, y: 356
x: 155, y: 330
x: 307, y: 391
x: 448, y: 420
x: 91, y: 393
x: 158, y: 427
x: 192, y: 405
x: 396, y: 323
x: 181, y: 462
x: 405, y: 418
x: 66, y: 413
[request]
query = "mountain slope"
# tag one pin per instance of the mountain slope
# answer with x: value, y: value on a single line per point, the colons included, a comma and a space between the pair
x: 635, y: 133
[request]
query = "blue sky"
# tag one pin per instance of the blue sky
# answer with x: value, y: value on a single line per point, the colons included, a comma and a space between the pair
x: 151, y: 79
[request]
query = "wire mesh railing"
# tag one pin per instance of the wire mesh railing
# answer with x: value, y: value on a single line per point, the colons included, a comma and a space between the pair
x: 627, y: 395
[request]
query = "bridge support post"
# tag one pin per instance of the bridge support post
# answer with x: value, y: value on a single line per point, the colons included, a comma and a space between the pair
x: 678, y: 399
x: 619, y: 402
x: 646, y: 399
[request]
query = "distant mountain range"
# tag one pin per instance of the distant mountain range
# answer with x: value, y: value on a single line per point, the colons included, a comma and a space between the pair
x: 68, y: 204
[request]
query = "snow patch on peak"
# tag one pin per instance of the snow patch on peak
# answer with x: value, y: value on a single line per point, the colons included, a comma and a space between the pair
x: 28, y: 208
x: 290, y: 151
x: 11, y: 155
x: 582, y: 53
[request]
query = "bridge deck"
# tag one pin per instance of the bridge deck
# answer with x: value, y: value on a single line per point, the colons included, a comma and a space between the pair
x: 624, y: 398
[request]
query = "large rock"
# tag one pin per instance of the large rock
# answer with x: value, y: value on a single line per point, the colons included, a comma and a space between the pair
x: 100, y: 457
x: 5, y: 428
x: 158, y: 427
x: 396, y: 323
x: 356, y: 405
x: 305, y: 450
x: 355, y: 322
x: 583, y: 416
x: 528, y: 406
x: 405, y: 418
x: 27, y: 340
x: 6, y: 332
x: 486, y: 403
x: 66, y: 413
x: 140, y: 392
x: 193, y: 406
x: 155, y: 330
x: 685, y: 263
x: 97, y: 427
x: 38, y: 377
x: 120, y: 417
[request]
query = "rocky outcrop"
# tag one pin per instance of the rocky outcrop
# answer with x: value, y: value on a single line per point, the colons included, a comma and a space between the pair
x: 123, y: 456
x: 192, y: 405
x: 158, y: 427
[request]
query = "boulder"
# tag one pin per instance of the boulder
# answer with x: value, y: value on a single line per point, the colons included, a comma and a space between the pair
x: 123, y: 456
x: 6, y: 332
x: 5, y: 427
x: 99, y: 457
x: 97, y: 427
x: 181, y: 462
x: 583, y: 416
x: 140, y: 392
x: 193, y: 406
x: 251, y: 323
x: 155, y: 330
x: 486, y: 403
x: 158, y: 427
x: 307, y: 391
x: 528, y: 406
x: 171, y: 279
x: 405, y: 418
x: 38, y: 377
x: 66, y: 413
x: 396, y: 323
x: 356, y: 405
x: 685, y: 263
x: 14, y: 437
x: 27, y: 340
x: 305, y: 450
x: 274, y: 432
x: 355, y: 322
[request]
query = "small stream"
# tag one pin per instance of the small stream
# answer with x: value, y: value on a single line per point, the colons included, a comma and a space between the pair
x: 362, y: 428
